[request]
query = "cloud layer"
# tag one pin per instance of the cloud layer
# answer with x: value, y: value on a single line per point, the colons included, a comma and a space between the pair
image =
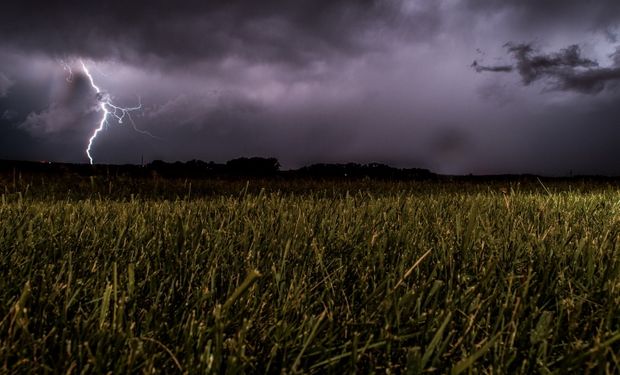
x: 5, y: 85
x: 283, y: 32
x: 565, y: 70
x: 318, y: 81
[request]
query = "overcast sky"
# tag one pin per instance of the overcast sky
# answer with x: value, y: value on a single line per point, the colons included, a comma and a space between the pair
x: 457, y: 86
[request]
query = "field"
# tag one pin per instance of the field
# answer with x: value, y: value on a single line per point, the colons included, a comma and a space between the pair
x: 119, y: 275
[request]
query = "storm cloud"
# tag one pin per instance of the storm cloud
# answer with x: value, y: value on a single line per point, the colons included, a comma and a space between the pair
x: 496, y: 69
x: 317, y: 81
x: 566, y: 70
x: 294, y: 33
x: 5, y: 85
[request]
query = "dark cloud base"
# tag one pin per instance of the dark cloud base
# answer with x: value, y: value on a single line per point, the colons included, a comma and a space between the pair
x: 157, y: 31
x: 565, y: 70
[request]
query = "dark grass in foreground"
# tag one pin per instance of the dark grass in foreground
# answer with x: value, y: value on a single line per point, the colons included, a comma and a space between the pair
x: 454, y: 279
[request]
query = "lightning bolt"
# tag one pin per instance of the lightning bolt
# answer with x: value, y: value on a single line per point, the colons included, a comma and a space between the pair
x: 109, y: 110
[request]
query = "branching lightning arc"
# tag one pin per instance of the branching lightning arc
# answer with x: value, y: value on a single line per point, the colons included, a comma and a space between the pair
x: 109, y: 109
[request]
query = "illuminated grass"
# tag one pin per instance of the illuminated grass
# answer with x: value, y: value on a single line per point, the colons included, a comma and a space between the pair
x: 452, y: 280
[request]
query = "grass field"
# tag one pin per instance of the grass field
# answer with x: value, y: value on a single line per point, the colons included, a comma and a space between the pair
x: 105, y: 276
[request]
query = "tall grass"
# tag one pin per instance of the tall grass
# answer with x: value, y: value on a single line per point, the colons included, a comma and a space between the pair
x: 458, y: 280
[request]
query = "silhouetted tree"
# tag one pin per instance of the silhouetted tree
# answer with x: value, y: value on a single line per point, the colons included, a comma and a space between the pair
x: 253, y: 166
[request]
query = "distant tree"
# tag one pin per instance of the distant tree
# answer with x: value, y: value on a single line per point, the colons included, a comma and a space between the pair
x: 254, y: 166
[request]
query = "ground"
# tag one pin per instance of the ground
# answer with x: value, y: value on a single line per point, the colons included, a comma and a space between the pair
x: 147, y: 274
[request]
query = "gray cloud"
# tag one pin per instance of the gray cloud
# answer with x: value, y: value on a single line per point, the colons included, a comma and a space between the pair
x: 5, y: 85
x: 72, y: 107
x: 545, y: 16
x: 566, y: 70
x: 533, y: 67
x: 8, y: 115
x: 495, y: 69
x: 142, y: 32
x: 318, y: 81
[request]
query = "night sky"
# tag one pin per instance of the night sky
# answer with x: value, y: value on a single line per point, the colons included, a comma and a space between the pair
x: 471, y: 86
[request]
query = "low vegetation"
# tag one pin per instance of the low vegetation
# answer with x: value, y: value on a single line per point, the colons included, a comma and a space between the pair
x: 197, y: 277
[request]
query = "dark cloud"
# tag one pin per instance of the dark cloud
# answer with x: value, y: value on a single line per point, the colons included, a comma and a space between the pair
x: 547, y: 15
x: 533, y: 66
x: 5, y: 85
x: 566, y: 70
x: 8, y: 115
x: 496, y: 69
x: 76, y: 104
x: 158, y: 32
x: 316, y: 81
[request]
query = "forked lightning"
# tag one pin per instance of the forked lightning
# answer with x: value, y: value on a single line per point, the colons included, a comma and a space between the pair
x: 109, y: 109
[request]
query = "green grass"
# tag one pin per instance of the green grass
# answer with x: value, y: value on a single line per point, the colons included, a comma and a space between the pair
x: 414, y: 278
